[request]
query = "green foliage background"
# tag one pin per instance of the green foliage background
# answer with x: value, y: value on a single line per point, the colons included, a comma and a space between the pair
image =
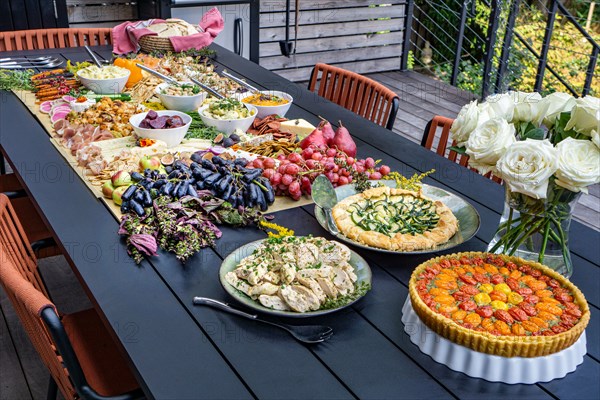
x: 569, y: 52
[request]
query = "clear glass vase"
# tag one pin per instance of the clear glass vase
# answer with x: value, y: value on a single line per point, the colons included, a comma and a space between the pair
x: 537, y: 229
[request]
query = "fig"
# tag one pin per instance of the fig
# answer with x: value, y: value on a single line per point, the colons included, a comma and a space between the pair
x: 208, y: 156
x: 121, y: 178
x: 167, y: 159
x: 118, y: 193
x: 219, y: 138
x: 228, y: 142
x: 150, y: 162
x: 107, y: 189
x: 235, y: 137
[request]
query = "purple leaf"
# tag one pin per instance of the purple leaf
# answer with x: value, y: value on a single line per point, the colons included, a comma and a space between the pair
x: 145, y: 244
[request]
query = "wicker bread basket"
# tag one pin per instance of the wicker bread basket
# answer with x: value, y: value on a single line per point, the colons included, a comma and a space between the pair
x: 506, y: 346
x: 150, y: 43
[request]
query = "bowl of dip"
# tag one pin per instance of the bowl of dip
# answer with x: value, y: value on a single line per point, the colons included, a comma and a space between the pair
x: 227, y: 115
x: 268, y: 102
x: 109, y: 79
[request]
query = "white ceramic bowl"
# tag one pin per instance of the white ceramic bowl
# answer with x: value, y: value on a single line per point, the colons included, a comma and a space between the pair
x: 180, y: 103
x: 105, y: 86
x: 227, y: 126
x: 264, y: 111
x: 171, y: 136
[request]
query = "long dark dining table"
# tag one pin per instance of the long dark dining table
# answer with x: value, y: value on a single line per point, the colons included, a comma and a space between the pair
x: 181, y: 351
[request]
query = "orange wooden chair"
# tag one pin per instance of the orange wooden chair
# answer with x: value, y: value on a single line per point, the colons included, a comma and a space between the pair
x: 83, y: 360
x: 357, y: 93
x: 439, y: 143
x: 55, y: 38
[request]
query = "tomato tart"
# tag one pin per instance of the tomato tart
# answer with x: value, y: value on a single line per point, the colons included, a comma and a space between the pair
x: 395, y: 219
x: 498, y: 304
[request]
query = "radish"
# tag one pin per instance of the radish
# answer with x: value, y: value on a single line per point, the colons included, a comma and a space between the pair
x: 315, y: 138
x: 343, y: 141
x: 46, y: 107
x: 57, y: 116
x: 69, y: 99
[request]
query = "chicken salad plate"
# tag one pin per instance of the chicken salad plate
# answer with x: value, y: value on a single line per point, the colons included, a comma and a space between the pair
x: 295, y: 276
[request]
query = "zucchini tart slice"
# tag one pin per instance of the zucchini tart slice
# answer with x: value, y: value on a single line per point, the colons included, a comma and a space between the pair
x: 395, y: 219
x: 498, y: 304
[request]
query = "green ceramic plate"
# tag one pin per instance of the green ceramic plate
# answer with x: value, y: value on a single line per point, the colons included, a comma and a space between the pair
x: 361, y: 269
x: 467, y: 215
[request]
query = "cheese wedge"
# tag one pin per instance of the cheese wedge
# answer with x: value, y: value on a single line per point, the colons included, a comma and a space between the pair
x: 300, y: 127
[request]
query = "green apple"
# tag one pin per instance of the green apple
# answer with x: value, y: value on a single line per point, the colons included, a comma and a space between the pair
x: 117, y: 193
x: 121, y: 178
x: 107, y: 189
x: 150, y: 162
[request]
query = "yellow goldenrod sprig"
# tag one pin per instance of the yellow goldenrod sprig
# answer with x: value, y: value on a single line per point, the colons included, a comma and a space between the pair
x: 280, y: 231
x: 414, y: 183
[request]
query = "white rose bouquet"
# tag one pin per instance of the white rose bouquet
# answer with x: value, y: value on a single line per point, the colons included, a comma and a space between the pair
x: 547, y: 151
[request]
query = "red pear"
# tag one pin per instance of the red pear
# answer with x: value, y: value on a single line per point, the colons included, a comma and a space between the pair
x: 315, y: 138
x: 343, y: 141
x: 327, y: 130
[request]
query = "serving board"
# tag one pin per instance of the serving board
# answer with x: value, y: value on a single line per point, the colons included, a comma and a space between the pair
x: 29, y: 100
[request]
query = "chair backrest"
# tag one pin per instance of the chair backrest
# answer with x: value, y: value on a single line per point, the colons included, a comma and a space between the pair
x: 439, y: 143
x: 54, y: 38
x: 27, y: 294
x: 357, y: 93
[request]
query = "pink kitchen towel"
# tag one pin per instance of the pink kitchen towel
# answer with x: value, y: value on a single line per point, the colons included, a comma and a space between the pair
x: 126, y: 36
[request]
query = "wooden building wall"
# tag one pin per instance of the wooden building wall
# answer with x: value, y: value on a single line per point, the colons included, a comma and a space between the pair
x: 360, y: 35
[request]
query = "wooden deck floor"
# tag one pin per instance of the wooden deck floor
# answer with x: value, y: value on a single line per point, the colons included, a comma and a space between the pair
x: 22, y: 374
x: 422, y: 97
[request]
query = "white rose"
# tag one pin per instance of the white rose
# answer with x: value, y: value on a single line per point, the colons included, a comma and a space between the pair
x: 554, y: 104
x: 497, y: 106
x: 527, y: 165
x: 527, y: 106
x: 585, y: 115
x: 488, y: 142
x: 465, y: 123
x: 578, y: 164
x: 596, y: 138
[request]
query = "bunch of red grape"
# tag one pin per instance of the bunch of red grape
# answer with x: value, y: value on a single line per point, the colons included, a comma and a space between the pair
x: 296, y: 171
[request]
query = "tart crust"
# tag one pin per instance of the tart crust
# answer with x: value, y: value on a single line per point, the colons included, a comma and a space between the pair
x: 505, y: 346
x: 446, y: 227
